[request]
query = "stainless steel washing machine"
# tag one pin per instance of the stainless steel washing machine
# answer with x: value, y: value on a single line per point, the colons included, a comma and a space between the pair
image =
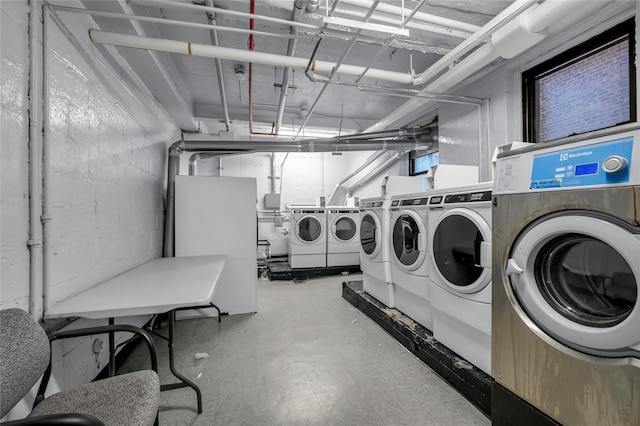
x: 566, y: 279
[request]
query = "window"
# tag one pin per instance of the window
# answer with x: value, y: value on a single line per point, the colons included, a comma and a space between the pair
x: 421, y: 165
x: 589, y: 87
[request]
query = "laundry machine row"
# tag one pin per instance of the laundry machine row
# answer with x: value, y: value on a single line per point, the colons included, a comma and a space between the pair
x: 375, y: 260
x: 343, y: 243
x: 324, y: 236
x: 409, y: 267
x: 566, y: 274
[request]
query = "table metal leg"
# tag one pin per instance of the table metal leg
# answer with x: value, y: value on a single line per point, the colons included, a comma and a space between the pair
x: 210, y: 305
x: 185, y: 382
x: 112, y: 351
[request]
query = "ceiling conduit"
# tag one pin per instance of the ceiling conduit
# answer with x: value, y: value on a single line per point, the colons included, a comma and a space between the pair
x: 319, y: 67
x: 223, y: 93
x: 513, y: 38
x: 401, y: 139
x: 378, y: 170
x: 298, y: 13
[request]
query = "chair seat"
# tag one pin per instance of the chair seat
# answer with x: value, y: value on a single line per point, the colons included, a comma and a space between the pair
x: 104, y: 400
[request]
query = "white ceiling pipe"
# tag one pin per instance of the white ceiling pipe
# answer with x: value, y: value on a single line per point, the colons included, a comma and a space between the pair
x: 208, y: 51
x: 419, y: 16
x: 551, y: 11
x: 171, y: 77
x: 298, y: 13
x: 165, y: 21
x: 472, y: 42
x: 257, y: 17
x: 413, y: 25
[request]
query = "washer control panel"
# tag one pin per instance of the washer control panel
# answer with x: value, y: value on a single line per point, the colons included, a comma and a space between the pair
x: 595, y: 164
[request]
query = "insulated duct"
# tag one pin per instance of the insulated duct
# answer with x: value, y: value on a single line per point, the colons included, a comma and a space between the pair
x: 378, y: 170
x: 402, y: 139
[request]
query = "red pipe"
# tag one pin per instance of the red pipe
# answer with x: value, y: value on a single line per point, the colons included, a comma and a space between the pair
x: 251, y: 48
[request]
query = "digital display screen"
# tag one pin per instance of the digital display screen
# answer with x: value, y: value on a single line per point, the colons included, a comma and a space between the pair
x: 586, y: 169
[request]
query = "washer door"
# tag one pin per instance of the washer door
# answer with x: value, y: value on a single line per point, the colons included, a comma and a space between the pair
x: 577, y: 277
x: 461, y: 250
x: 409, y: 240
x: 344, y: 228
x: 309, y: 229
x: 370, y: 235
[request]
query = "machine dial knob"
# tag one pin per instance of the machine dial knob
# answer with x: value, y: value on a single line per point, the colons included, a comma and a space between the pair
x: 614, y: 164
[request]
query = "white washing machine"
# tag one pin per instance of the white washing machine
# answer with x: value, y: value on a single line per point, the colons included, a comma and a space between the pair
x: 375, y: 260
x: 460, y: 270
x: 308, y: 237
x: 409, y: 266
x: 343, y: 244
x: 566, y: 274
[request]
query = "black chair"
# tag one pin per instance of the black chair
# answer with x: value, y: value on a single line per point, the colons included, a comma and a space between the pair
x: 25, y: 356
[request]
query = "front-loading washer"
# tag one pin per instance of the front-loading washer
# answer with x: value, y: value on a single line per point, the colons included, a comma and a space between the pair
x: 566, y: 274
x: 375, y: 260
x: 343, y: 243
x: 409, y: 266
x: 308, y: 237
x: 460, y: 270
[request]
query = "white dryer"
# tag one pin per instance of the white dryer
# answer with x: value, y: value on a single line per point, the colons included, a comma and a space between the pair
x: 343, y: 245
x: 375, y: 260
x: 460, y: 270
x: 409, y: 266
x: 308, y: 237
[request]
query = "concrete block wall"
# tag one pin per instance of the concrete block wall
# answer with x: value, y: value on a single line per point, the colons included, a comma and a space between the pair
x: 14, y: 134
x: 107, y: 180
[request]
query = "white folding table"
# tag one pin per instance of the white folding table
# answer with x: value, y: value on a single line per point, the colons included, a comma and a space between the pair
x: 158, y: 286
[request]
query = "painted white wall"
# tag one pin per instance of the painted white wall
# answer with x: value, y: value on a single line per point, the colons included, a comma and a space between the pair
x: 108, y: 167
x: 302, y: 178
x: 14, y: 131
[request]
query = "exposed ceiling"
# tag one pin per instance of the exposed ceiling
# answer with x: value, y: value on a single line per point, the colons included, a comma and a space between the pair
x: 188, y: 86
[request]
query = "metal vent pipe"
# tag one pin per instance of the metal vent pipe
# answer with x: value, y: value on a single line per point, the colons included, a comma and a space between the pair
x: 401, y: 139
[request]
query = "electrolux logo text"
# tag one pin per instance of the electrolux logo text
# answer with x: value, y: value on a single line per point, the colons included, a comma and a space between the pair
x: 565, y: 156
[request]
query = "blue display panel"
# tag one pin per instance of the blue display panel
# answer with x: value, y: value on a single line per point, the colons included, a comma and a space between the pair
x: 580, y: 166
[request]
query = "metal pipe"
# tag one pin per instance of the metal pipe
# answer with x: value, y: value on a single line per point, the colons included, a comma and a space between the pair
x: 478, y: 37
x: 173, y: 170
x: 420, y: 16
x: 172, y: 80
x: 36, y: 114
x: 47, y: 258
x: 208, y: 51
x: 273, y: 173
x: 165, y: 21
x: 381, y: 168
x: 298, y: 12
x: 185, y: 6
x: 413, y: 139
x: 338, y: 65
x: 223, y: 93
x: 373, y: 157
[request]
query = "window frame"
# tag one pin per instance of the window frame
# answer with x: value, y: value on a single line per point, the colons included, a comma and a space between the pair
x: 569, y: 57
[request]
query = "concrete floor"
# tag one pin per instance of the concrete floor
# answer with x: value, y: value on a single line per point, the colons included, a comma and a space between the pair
x: 306, y: 358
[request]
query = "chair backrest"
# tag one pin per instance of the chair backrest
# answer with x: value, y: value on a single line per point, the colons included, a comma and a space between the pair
x: 24, y: 356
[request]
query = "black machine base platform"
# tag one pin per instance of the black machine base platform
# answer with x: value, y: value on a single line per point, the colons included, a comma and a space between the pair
x: 280, y: 270
x: 472, y: 382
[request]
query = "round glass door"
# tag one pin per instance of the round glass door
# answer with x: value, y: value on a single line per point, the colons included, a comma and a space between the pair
x: 586, y: 280
x: 577, y: 277
x: 409, y: 240
x: 309, y: 229
x: 344, y: 228
x: 459, y: 240
x: 369, y: 231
